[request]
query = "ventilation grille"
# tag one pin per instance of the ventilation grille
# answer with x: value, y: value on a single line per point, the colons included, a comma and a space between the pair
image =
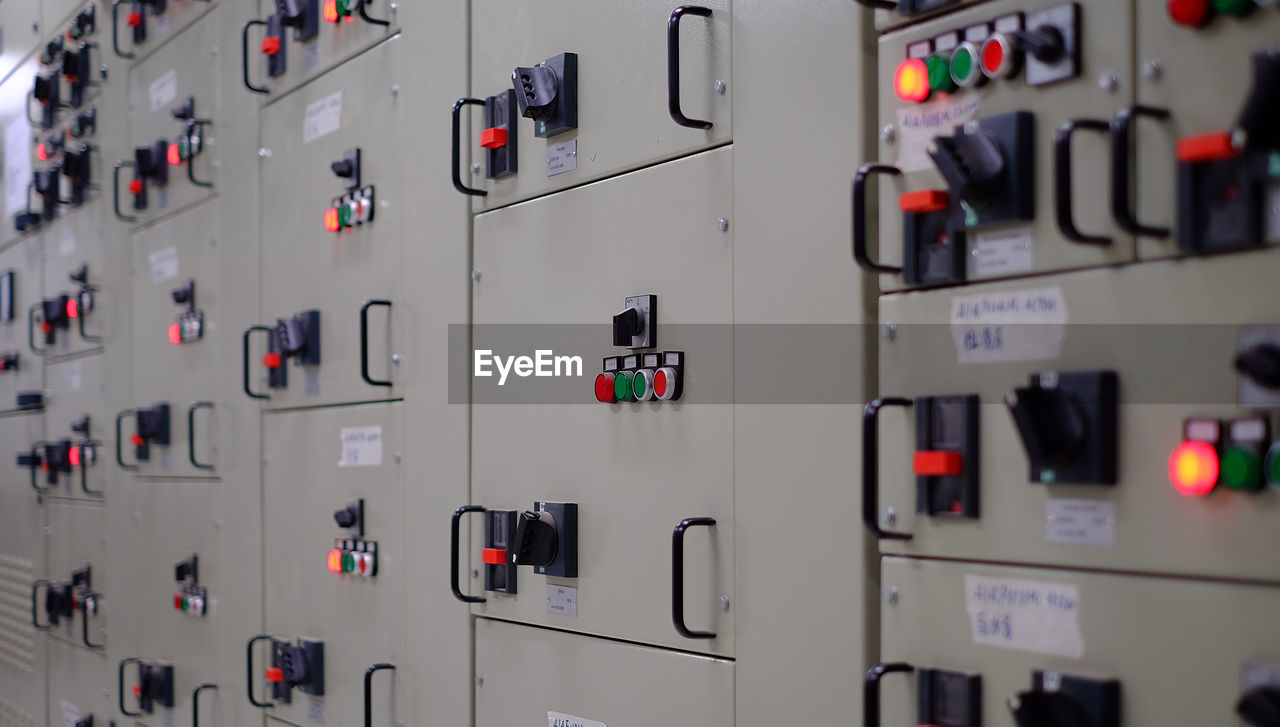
x: 17, y: 636
x: 11, y: 715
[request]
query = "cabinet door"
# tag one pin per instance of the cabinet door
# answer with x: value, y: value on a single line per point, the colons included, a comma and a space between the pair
x: 78, y: 396
x: 77, y: 540
x: 21, y: 281
x: 23, y: 649
x: 81, y: 683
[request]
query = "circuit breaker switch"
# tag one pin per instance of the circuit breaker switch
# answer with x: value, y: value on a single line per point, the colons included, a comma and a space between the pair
x: 270, y: 46
x: 275, y: 675
x: 627, y: 325
x: 924, y: 200
x: 493, y: 138
x: 494, y: 556
x: 536, y: 89
x: 536, y: 539
x: 937, y: 464
x: 1208, y: 148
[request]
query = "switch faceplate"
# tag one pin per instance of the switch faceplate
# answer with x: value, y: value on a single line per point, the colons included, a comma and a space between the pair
x: 1066, y: 19
x: 645, y: 332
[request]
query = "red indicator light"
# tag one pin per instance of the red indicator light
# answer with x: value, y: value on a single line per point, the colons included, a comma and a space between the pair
x: 73, y: 308
x: 925, y: 200
x: 175, y: 155
x: 46, y: 326
x: 1193, y: 468
x: 362, y: 563
x: 41, y: 153
x: 74, y: 456
x: 1207, y: 148
x: 492, y: 138
x: 137, y: 690
x: 275, y: 675
x: 134, y: 19
x: 272, y: 360
x: 330, y: 11
x: 661, y: 384
x: 331, y: 221
x: 911, y: 80
x: 993, y: 52
x: 1191, y: 13
x: 335, y: 561
x: 495, y: 556
x: 177, y: 601
x: 175, y: 333
x: 604, y: 388
x: 937, y: 463
x: 137, y: 440
x: 270, y: 46
x: 135, y: 186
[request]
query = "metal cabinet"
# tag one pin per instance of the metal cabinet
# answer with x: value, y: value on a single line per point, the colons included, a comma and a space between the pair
x: 77, y: 541
x: 987, y: 341
x: 21, y: 283
x: 634, y: 470
x: 23, y: 649
x: 169, y: 162
x: 351, y: 275
x: 1081, y: 631
x: 177, y: 297
x: 1023, y: 235
x: 21, y: 21
x: 624, y: 119
x: 76, y: 416
x: 319, y: 462
x: 1175, y: 61
x: 75, y: 266
x: 81, y: 683
x: 137, y: 37
x: 528, y: 675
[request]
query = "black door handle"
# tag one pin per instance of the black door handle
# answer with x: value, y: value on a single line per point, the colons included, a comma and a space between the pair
x: 194, y: 127
x: 115, y: 189
x: 677, y: 577
x: 120, y: 686
x: 673, y: 65
x: 195, y: 703
x: 881, y: 4
x: 244, y: 56
x: 871, y: 467
x: 245, y: 377
x: 364, y: 14
x: 80, y: 311
x: 115, y: 31
x: 871, y: 690
x: 248, y: 674
x: 364, y: 342
x: 119, y: 443
x: 859, y: 203
x: 1062, y: 177
x: 455, y: 531
x: 191, y: 434
x: 34, y: 460
x: 31, y: 329
x: 92, y: 445
x: 35, y: 606
x: 457, y: 147
x: 1122, y: 170
x: 88, y: 604
x: 368, y: 687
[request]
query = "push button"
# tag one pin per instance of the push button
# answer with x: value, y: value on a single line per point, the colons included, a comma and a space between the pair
x: 604, y: 388
x: 1191, y: 13
x: 937, y: 463
x: 494, y: 556
x: 493, y: 138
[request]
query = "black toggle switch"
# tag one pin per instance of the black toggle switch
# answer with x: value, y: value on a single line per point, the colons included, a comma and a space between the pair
x: 972, y: 165
x: 1261, y: 365
x: 301, y: 15
x: 348, y: 168
x: 186, y: 294
x: 546, y: 538
x: 1064, y: 700
x: 1260, y: 117
x: 1260, y: 707
x: 1067, y: 422
x: 187, y: 570
x: 536, y: 539
x: 536, y: 88
x: 351, y: 517
x: 627, y: 325
x: 548, y: 94
x: 989, y: 167
x: 1046, y: 43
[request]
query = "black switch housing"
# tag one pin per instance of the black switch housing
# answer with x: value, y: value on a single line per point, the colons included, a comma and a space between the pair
x: 950, y: 424
x: 500, y: 534
x: 547, y: 539
x: 299, y: 337
x: 548, y: 94
x: 1260, y: 706
x: 989, y: 167
x: 301, y: 15
x: 1068, y: 423
x: 1064, y: 700
x: 934, y: 247
x: 500, y: 113
x: 152, y: 426
x: 347, y: 168
x: 76, y: 168
x: 949, y: 699
x: 77, y: 67
x: 155, y: 686
x: 302, y: 667
x: 351, y: 518
x: 47, y: 91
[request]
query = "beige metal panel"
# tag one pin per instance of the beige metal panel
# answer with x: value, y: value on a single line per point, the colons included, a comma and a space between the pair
x: 72, y: 241
x: 166, y: 257
x: 60, y: 13
x: 523, y: 674
x: 77, y: 537
x: 78, y: 389
x: 335, y: 44
x: 161, y: 29
x: 305, y: 267
x: 623, y: 121
x: 81, y: 683
x: 1134, y: 629
x: 1107, y: 29
x: 24, y: 260
x: 1120, y: 319
x: 887, y: 19
x: 14, y: 120
x: 158, y: 85
x: 23, y: 649
x: 562, y: 453
x: 360, y: 620
x: 1180, y: 68
x: 20, y: 21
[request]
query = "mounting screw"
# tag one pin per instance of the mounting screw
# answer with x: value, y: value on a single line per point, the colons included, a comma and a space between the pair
x: 264, y: 152
x: 724, y: 603
x: 395, y: 358
x: 395, y: 90
x: 475, y: 167
x: 102, y: 70
x: 396, y: 456
x: 891, y: 595
x: 394, y: 7
x: 890, y: 516
x: 1109, y: 81
x: 1152, y: 69
x: 722, y: 224
x: 475, y: 574
x: 479, y: 681
x: 475, y: 274
x: 888, y: 134
x: 888, y: 331
x: 721, y: 87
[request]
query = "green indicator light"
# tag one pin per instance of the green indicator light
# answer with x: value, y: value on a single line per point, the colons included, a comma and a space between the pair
x: 939, y: 74
x: 961, y: 65
x: 1233, y: 7
x: 344, y: 215
x: 348, y: 563
x: 638, y: 386
x: 622, y: 386
x: 1242, y: 469
x: 186, y: 604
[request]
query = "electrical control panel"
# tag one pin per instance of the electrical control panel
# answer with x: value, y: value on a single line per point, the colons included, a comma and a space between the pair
x: 21, y: 284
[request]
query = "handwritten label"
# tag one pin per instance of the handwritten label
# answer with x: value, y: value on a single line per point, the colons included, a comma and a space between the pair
x: 163, y: 90
x: 361, y: 447
x: 562, y: 157
x: 1018, y: 325
x: 322, y: 117
x: 17, y: 164
x: 1003, y: 252
x: 1079, y: 522
x: 920, y: 123
x: 557, y: 719
x: 164, y: 264
x: 1026, y: 615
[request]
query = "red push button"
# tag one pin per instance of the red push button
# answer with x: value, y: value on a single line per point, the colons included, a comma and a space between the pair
x: 495, y: 556
x: 271, y: 360
x: 1207, y: 148
x: 177, y: 601
x: 493, y: 138
x: 1191, y: 13
x: 135, y: 186
x: 275, y: 675
x: 924, y: 200
x: 270, y: 46
x: 134, y: 19
x: 137, y: 440
x: 937, y: 463
x: 604, y: 388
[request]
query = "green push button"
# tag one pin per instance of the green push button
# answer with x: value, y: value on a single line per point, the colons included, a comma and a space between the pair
x: 622, y: 385
x: 964, y: 69
x: 939, y: 73
x: 1273, y: 465
x: 344, y: 215
x: 639, y: 387
x: 186, y: 604
x: 1233, y: 7
x: 1242, y: 469
x: 348, y: 563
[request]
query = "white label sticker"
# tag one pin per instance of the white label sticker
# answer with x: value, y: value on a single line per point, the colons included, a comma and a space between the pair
x: 361, y: 447
x: 1026, y: 615
x: 17, y: 164
x: 310, y: 56
x: 562, y: 157
x: 67, y: 243
x: 322, y: 117
x: 163, y: 90
x: 918, y: 124
x: 1273, y: 214
x: 164, y: 264
x: 315, y: 710
x: 998, y: 253
x: 562, y: 600
x: 72, y: 376
x: 1079, y: 522
x: 162, y: 26
x: 559, y: 719
x: 1017, y: 325
x: 70, y: 713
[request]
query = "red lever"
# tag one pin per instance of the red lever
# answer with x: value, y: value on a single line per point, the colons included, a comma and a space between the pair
x: 137, y: 440
x: 270, y: 46
x: 271, y: 360
x: 937, y: 463
x: 137, y: 690
x: 135, y: 186
x: 494, y: 556
x: 46, y: 326
x: 275, y: 675
x: 1207, y: 148
x: 925, y: 200
x: 134, y: 19
x: 493, y: 138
